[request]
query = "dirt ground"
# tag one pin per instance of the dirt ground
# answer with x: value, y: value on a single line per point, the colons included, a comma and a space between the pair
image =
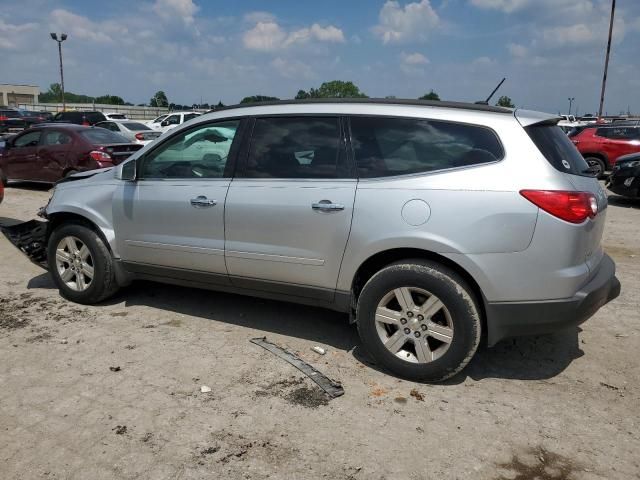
x: 114, y: 391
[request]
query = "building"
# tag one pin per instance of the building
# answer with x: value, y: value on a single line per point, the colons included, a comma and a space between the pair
x: 13, y: 95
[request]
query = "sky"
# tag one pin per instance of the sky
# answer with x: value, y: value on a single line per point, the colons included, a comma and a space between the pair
x: 211, y: 50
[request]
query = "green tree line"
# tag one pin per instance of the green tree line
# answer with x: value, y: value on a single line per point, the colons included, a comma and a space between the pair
x: 332, y: 89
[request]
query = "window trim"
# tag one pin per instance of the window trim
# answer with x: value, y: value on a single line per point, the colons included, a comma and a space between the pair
x: 229, y: 168
x: 419, y: 174
x: 343, y: 150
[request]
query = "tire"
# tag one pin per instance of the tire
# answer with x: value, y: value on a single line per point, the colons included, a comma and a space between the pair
x: 88, y: 289
x: 598, y: 163
x: 452, y: 334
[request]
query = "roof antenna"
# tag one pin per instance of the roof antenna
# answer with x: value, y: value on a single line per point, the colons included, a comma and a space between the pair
x: 486, y: 102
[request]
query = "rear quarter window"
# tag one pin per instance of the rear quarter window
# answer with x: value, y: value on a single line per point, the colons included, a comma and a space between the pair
x: 556, y: 147
x: 102, y: 136
x: 387, y: 147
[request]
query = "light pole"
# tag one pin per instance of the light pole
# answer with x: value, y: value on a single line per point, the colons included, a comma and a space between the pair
x: 571, y: 99
x: 606, y: 61
x: 63, y: 37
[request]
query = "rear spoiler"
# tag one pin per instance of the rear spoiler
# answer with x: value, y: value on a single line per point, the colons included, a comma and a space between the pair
x: 527, y: 118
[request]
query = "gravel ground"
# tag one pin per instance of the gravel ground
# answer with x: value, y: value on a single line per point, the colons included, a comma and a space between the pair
x: 114, y: 391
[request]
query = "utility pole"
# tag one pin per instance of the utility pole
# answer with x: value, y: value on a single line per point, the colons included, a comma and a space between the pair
x: 571, y: 99
x: 63, y: 37
x: 606, y: 62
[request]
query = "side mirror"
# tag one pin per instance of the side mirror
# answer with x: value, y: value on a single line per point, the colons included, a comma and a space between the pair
x: 164, y: 123
x: 126, y: 171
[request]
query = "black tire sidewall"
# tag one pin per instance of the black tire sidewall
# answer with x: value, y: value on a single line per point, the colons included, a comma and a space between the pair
x: 101, y: 263
x: 450, y: 290
x: 603, y: 166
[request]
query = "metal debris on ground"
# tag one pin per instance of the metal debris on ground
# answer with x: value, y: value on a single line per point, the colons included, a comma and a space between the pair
x: 115, y: 369
x: 319, y: 350
x: 333, y: 389
x: 205, y: 389
x: 29, y: 238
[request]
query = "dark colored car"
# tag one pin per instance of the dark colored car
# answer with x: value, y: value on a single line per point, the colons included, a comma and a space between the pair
x: 32, y: 118
x: 625, y: 178
x: 11, y: 121
x: 49, y: 152
x: 602, y: 145
x: 80, y: 118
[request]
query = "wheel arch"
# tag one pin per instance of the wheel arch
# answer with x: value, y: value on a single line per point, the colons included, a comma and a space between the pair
x: 381, y: 259
x: 58, y: 218
x: 601, y: 155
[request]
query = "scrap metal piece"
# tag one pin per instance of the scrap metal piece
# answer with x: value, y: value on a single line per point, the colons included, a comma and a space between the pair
x: 333, y: 389
x: 30, y: 238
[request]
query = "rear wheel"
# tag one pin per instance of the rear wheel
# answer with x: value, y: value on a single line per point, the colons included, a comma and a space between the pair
x: 597, y: 165
x: 420, y: 320
x: 80, y: 264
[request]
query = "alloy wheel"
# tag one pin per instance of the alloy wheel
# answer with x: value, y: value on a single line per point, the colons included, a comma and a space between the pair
x: 74, y: 263
x: 414, y: 324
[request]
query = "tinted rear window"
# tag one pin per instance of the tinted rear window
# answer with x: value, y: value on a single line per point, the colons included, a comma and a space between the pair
x: 10, y: 113
x: 101, y: 136
x: 94, y: 117
x: 117, y: 116
x: 136, y: 126
x: 398, y: 146
x: 558, y: 149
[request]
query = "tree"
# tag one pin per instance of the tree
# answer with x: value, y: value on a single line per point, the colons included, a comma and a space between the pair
x: 505, y: 101
x: 430, y: 96
x: 109, y: 100
x: 220, y: 104
x: 332, y: 89
x: 258, y: 98
x: 159, y: 100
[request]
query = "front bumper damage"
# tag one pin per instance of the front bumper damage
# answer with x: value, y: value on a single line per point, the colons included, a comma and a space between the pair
x: 30, y: 238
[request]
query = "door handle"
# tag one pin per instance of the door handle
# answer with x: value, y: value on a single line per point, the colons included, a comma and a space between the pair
x: 202, y: 202
x: 327, y: 206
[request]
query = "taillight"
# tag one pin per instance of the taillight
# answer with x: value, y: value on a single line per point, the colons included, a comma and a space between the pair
x: 2, y: 117
x: 573, y: 207
x: 100, y: 156
x: 85, y: 122
x: 140, y: 136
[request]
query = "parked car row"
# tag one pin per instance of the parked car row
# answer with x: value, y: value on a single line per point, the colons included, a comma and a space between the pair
x: 602, y: 144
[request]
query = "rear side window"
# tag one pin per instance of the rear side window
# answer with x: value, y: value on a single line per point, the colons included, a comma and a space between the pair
x: 296, y: 147
x: 9, y: 113
x: 558, y: 149
x: 190, y: 116
x: 54, y: 137
x: 102, y: 136
x: 136, y: 126
x: 387, y: 147
x: 94, y: 117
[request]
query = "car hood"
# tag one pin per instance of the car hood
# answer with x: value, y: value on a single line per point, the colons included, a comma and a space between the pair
x: 628, y: 158
x: 90, y: 176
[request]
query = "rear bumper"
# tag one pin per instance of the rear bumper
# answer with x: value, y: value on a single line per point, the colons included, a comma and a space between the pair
x: 514, y: 319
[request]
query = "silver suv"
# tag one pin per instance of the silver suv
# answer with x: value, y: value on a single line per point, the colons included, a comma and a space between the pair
x: 432, y: 224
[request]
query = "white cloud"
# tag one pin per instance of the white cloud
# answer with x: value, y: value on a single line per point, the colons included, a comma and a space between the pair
x: 265, y: 36
x: 506, y: 6
x: 78, y: 27
x: 517, y: 51
x: 9, y: 33
x: 483, y: 62
x: 414, y: 58
x: 170, y: 9
x: 413, y: 22
x: 582, y: 34
x: 269, y: 36
x: 255, y: 17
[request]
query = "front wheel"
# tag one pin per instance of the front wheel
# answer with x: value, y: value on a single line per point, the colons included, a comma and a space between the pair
x: 419, y: 320
x: 80, y: 264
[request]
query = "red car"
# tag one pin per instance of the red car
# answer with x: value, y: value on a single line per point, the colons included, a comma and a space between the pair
x: 49, y: 152
x: 602, y: 145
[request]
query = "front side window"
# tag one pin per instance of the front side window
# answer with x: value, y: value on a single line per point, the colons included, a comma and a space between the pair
x: 387, y: 147
x: 30, y: 139
x: 173, y: 119
x: 296, y: 147
x: 198, y: 153
x: 56, y: 138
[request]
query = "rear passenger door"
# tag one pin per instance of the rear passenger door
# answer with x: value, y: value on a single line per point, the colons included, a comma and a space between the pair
x: 52, y: 154
x: 289, y: 208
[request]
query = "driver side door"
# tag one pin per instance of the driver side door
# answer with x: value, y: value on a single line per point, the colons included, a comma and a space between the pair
x: 21, y: 159
x: 170, y: 221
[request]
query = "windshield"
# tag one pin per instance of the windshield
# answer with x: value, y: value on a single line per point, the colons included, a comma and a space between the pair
x: 556, y: 147
x: 100, y: 136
